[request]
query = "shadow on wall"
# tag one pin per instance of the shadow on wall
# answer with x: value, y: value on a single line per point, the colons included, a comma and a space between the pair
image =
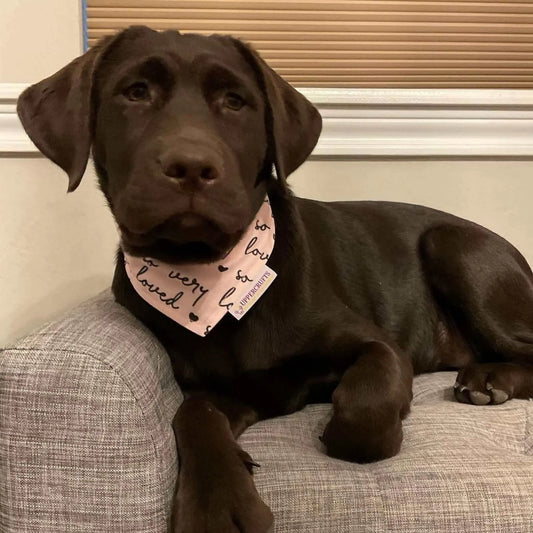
x: 57, y: 249
x: 36, y: 313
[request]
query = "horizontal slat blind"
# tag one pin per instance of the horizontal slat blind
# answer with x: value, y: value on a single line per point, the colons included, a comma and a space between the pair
x: 355, y: 43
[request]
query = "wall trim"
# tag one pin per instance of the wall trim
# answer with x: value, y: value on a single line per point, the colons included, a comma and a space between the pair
x: 361, y: 123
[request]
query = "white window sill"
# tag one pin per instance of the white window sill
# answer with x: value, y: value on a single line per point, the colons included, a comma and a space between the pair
x: 361, y: 123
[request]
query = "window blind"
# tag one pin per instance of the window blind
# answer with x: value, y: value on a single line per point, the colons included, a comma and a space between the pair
x: 355, y: 43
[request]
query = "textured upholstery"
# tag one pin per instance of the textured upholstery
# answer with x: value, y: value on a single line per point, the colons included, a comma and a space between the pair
x: 461, y: 468
x: 85, y: 437
x: 86, y: 445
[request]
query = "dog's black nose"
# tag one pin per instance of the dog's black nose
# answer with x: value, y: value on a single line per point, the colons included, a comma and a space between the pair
x: 192, y: 168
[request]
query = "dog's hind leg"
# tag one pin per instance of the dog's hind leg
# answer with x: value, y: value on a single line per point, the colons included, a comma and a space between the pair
x: 487, y: 286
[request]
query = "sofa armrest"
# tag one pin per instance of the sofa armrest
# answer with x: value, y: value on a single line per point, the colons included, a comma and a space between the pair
x: 86, y: 442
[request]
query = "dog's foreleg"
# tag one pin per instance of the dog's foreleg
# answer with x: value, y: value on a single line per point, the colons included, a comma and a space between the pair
x: 216, y: 492
x: 369, y: 404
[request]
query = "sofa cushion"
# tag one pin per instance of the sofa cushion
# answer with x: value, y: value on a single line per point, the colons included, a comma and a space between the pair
x: 86, y: 442
x: 461, y: 468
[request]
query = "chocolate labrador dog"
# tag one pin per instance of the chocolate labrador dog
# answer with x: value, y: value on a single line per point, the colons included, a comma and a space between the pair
x: 186, y: 132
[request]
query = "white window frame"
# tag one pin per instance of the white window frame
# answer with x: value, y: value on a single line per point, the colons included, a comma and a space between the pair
x: 424, y: 122
x: 369, y: 123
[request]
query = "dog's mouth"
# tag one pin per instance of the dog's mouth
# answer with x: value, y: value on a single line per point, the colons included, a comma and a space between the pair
x: 188, y: 238
x: 171, y: 252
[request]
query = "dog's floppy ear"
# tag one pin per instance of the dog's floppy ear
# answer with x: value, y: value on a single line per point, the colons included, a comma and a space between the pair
x: 56, y: 114
x: 293, y: 123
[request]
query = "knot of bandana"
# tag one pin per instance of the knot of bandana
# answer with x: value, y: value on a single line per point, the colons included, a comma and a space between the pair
x: 197, y: 296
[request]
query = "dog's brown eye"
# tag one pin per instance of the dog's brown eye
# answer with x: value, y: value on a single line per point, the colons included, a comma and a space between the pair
x: 137, y: 91
x: 234, y: 101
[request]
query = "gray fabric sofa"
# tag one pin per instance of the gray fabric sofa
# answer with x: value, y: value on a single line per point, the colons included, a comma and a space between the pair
x: 86, y: 444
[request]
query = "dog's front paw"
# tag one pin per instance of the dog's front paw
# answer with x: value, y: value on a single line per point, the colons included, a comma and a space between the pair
x: 366, y: 427
x: 363, y: 439
x: 219, y: 496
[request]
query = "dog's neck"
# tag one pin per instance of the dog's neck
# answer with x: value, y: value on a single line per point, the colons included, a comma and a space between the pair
x: 197, y: 296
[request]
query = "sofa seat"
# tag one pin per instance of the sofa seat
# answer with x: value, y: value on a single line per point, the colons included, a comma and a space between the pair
x: 86, y: 445
x: 461, y: 468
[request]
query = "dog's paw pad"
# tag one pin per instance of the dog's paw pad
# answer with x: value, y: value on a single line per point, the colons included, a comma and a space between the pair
x: 498, y: 395
x: 479, y: 398
x: 485, y: 383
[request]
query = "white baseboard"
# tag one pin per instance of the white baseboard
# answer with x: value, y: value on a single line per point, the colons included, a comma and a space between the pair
x: 361, y: 123
x: 424, y: 123
x: 13, y: 139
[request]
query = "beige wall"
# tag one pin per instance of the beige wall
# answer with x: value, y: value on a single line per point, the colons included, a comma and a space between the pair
x: 37, y: 37
x: 496, y: 194
x: 58, y: 249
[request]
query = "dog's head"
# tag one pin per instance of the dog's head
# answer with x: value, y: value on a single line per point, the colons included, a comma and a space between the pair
x: 184, y: 130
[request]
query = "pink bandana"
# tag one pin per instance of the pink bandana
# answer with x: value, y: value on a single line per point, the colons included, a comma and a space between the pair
x: 198, y: 296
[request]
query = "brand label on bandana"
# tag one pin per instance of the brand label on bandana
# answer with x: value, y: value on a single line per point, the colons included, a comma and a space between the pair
x: 197, y: 296
x: 242, y: 306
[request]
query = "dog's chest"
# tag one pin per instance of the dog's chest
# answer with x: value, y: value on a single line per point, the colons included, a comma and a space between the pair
x: 272, y: 368
x: 232, y: 350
